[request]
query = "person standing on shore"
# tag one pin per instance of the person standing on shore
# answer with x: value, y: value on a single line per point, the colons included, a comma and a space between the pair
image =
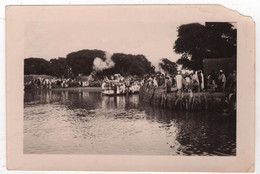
x: 200, y: 80
x: 231, y: 81
x: 222, y: 80
x: 168, y: 84
x: 114, y: 88
x: 179, y: 80
x: 103, y: 85
x: 195, y: 82
x: 155, y: 83
x: 188, y: 82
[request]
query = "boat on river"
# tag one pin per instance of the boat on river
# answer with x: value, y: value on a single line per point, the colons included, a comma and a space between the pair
x: 120, y: 90
x: 110, y: 92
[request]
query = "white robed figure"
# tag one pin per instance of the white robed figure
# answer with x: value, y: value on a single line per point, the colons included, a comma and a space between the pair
x: 103, y: 85
x: 179, y: 80
x: 202, y: 81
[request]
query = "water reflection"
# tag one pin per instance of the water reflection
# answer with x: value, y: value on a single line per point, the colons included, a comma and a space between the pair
x: 85, y: 122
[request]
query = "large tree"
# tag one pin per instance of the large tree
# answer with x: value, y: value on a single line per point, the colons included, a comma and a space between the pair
x: 131, y: 64
x: 128, y: 64
x: 81, y: 62
x: 37, y: 66
x: 212, y: 40
x: 60, y: 67
x: 168, y: 66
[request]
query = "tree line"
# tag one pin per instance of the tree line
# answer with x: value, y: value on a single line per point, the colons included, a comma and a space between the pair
x: 194, y: 43
x: 81, y: 62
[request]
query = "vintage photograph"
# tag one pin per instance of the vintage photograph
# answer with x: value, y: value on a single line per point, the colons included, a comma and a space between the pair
x: 113, y: 86
x: 135, y: 88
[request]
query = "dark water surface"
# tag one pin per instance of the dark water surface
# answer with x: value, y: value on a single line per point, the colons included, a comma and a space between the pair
x: 82, y: 121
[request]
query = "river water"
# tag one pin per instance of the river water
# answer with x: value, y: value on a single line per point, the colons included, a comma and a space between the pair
x: 82, y: 121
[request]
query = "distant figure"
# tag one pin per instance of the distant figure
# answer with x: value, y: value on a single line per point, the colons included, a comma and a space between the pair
x: 234, y: 81
x: 200, y: 80
x: 161, y: 80
x: 231, y: 81
x: 115, y: 88
x: 211, y: 83
x: 222, y: 80
x: 188, y: 81
x: 195, y: 82
x: 155, y: 84
x: 179, y: 80
x: 168, y: 84
x: 173, y: 81
x: 103, y: 85
x: 150, y: 81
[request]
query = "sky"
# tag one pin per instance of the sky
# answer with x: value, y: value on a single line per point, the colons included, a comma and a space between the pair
x: 56, y: 32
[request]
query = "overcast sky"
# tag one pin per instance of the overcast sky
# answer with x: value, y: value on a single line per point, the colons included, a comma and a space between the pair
x: 55, y: 32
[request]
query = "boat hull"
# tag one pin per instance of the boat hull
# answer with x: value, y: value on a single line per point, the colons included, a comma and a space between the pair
x: 118, y: 94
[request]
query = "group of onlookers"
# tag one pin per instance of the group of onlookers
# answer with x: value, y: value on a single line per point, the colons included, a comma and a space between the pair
x: 49, y: 83
x: 219, y: 81
x: 194, y: 81
x: 159, y: 80
x: 119, y: 84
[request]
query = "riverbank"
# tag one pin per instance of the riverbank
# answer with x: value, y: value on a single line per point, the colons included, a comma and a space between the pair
x: 201, y: 101
x: 51, y: 82
x: 69, y: 89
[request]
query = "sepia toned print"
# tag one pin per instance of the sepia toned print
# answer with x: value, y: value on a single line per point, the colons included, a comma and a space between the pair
x: 131, y: 86
x: 95, y: 102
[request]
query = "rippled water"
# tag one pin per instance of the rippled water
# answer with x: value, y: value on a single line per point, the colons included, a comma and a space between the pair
x: 82, y: 121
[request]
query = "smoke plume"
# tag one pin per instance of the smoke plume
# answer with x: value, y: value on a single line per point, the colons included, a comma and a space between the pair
x: 179, y: 67
x: 99, y: 64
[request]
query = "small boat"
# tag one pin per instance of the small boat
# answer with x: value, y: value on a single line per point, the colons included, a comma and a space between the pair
x: 110, y: 92
x: 134, y: 89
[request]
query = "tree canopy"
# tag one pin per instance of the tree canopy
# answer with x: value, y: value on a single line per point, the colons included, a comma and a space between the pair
x: 37, y: 66
x: 131, y: 64
x: 60, y: 67
x: 212, y: 40
x: 54, y: 67
x: 128, y: 64
x: 168, y: 66
x: 81, y: 62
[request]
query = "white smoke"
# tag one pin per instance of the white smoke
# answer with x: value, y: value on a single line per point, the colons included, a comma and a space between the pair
x: 179, y: 67
x: 184, y: 71
x: 99, y: 64
x: 158, y: 67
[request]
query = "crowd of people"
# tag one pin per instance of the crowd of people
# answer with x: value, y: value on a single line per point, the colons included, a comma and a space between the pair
x: 49, y: 83
x: 194, y: 81
x: 114, y: 82
x: 117, y: 84
x: 189, y: 81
